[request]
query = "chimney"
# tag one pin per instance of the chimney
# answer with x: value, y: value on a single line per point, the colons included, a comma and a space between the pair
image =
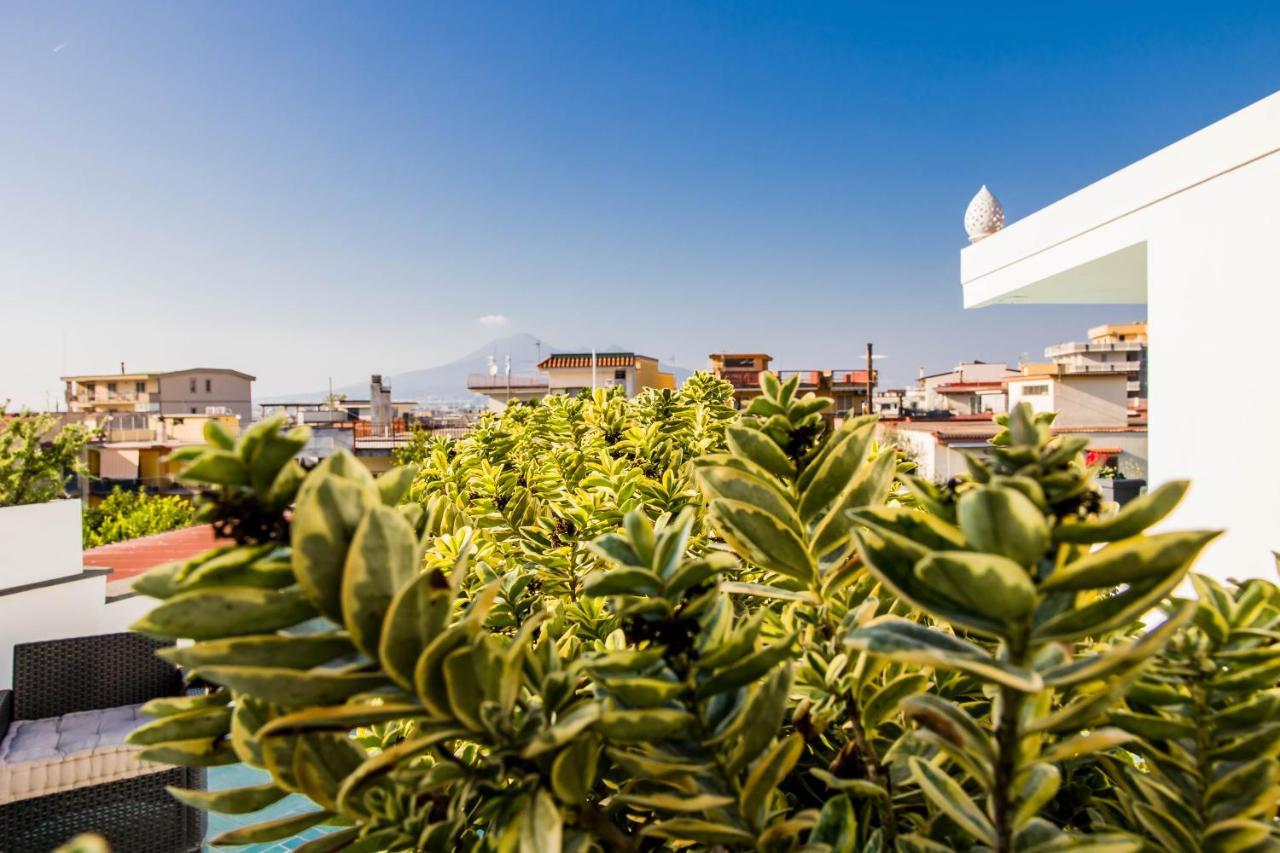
x: 380, y: 413
x: 122, y: 368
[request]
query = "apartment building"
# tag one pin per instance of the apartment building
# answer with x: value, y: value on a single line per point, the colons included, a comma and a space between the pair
x: 969, y: 388
x: 194, y: 391
x: 1119, y: 348
x: 848, y: 388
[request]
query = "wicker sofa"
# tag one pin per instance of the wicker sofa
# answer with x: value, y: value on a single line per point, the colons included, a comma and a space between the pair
x: 63, y: 766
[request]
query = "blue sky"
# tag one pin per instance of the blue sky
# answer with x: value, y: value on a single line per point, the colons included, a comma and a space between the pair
x: 306, y: 189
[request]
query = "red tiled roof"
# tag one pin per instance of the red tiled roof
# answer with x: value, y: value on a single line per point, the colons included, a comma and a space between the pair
x: 134, y: 556
x: 583, y: 359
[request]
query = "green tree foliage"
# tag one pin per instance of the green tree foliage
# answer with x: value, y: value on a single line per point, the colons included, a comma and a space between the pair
x: 37, y: 457
x: 602, y: 624
x: 129, y: 514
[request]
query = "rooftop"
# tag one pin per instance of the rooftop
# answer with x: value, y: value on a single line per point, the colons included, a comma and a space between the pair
x: 133, y: 557
x: 584, y: 359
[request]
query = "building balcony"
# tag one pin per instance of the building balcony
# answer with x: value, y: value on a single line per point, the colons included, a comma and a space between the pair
x: 1089, y: 346
x: 1103, y: 367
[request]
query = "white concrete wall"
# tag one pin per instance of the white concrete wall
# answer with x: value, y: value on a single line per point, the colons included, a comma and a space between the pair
x: 1194, y: 229
x: 74, y: 609
x: 39, y: 542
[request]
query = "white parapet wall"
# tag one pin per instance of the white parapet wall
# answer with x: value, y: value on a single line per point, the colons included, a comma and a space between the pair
x: 39, y: 542
x: 1194, y: 232
x: 45, y: 591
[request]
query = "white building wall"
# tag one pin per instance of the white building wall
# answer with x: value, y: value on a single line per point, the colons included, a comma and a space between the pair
x: 1194, y: 231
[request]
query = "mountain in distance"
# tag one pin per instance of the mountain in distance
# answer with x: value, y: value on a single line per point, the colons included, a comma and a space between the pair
x: 449, y: 381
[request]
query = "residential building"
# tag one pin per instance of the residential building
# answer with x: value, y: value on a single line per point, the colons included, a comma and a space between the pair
x: 890, y: 403
x: 969, y: 388
x: 1111, y: 348
x: 1092, y: 404
x: 131, y: 450
x: 501, y: 388
x: 1080, y: 399
x: 741, y: 370
x: 572, y: 372
x: 194, y: 391
x: 1189, y: 231
x: 939, y: 446
x: 847, y: 387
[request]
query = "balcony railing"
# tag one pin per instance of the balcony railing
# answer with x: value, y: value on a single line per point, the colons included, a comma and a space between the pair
x: 1090, y: 346
x: 516, y: 382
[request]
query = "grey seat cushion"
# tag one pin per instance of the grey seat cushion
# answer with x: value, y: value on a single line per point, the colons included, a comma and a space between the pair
x: 39, y: 757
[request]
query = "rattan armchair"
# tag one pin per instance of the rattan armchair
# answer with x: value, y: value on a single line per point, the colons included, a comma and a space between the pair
x: 55, y: 678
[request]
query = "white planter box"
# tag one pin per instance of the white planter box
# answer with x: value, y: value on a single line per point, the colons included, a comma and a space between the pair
x: 39, y: 542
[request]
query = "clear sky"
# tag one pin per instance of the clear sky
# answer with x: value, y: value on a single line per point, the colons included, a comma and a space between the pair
x: 307, y: 189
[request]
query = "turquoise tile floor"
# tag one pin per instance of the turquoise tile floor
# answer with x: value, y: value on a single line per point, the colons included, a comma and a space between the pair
x: 239, y: 775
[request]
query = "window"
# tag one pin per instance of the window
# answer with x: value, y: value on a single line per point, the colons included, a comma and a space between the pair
x: 111, y: 387
x: 208, y: 386
x: 620, y: 375
x: 193, y: 387
x: 193, y: 408
x: 739, y: 362
x: 140, y: 387
x: 1035, y: 390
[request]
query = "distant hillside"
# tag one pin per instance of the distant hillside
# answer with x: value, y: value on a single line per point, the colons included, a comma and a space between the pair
x: 449, y: 381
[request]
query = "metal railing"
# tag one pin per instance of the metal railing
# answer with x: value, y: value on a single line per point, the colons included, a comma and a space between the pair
x: 1090, y: 346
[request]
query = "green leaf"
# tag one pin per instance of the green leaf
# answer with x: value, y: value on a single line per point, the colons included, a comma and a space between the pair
x: 573, y: 773
x: 883, y: 704
x: 837, y: 826
x: 209, y: 614
x: 301, y: 651
x: 382, y: 559
x: 1086, y: 744
x: 760, y: 449
x: 200, y: 752
x: 892, y: 558
x: 324, y: 521
x: 721, y: 482
x: 415, y: 617
x: 230, y: 800
x: 1132, y: 561
x: 1107, y: 612
x: 377, y: 766
x: 990, y: 585
x: 766, y: 774
x: 272, y: 830
x: 1120, y: 655
x: 567, y: 727
x: 951, y: 723
x: 841, y: 459
x: 541, y: 826
x: 1003, y: 521
x: 760, y: 538
x: 682, y: 802
x: 901, y: 640
x: 765, y: 711
x: 190, y: 725
x: 646, y: 724
x: 746, y: 670
x: 393, y: 485
x: 693, y: 829
x: 220, y: 467
x: 291, y: 687
x: 1040, y: 783
x: 948, y: 797
x: 1136, y: 516
x: 340, y: 718
x: 869, y: 486
x: 624, y: 581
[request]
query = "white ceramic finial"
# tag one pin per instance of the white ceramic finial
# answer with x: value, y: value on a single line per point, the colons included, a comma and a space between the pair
x: 984, y: 216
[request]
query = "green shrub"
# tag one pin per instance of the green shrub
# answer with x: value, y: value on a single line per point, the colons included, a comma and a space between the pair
x: 601, y: 624
x: 129, y: 514
x: 37, y: 457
